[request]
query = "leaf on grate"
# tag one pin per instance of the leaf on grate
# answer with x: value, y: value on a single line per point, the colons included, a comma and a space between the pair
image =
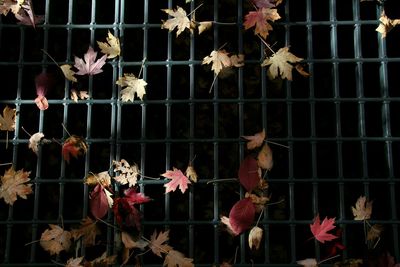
x: 102, y: 178
x: 68, y: 72
x: 10, y: 5
x: 241, y: 215
x: 13, y: 184
x: 132, y: 86
x: 27, y: 16
x: 175, y: 258
x: 259, y: 19
x: 179, y: 20
x: 204, y: 25
x: 100, y: 201
x: 308, y: 262
x: 386, y: 24
x: 7, y: 121
x: 255, y: 140
x: 157, y: 241
x: 36, y: 140
x: 178, y: 179
x: 87, y: 231
x: 249, y: 176
x: 55, y: 239
x: 90, y: 65
x: 362, y: 209
x: 191, y: 173
x: 74, y: 262
x: 102, y: 261
x: 374, y: 233
x: 255, y: 236
x: 320, y: 230
x: 219, y: 59
x: 279, y: 64
x: 111, y: 47
x: 258, y: 201
x: 81, y: 95
x: 73, y: 146
x: 129, y: 243
x: 264, y: 158
x: 127, y: 174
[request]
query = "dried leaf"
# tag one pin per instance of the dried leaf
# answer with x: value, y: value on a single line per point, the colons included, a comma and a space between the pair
x: 129, y: 243
x: 88, y: 231
x: 10, y: 5
x: 386, y: 24
x: 258, y: 201
x: 112, y: 47
x: 103, y: 261
x: 255, y: 140
x: 68, y: 73
x: 225, y: 221
x: 178, y: 179
x: 219, y: 59
x: 264, y: 158
x: 191, y: 173
x: 308, y: 262
x: 90, y: 65
x: 279, y: 64
x: 179, y: 20
x: 102, y: 178
x: 349, y: 263
x: 81, y: 95
x: 55, y: 239
x: 255, y: 236
x: 362, y: 209
x: 74, y: 95
x: 204, y: 25
x: 127, y: 174
x: 374, y: 232
x: 74, y: 262
x: 73, y: 146
x: 7, y: 121
x: 301, y: 71
x: 41, y: 102
x: 320, y: 230
x: 132, y: 86
x: 35, y: 140
x: 175, y: 258
x: 157, y: 241
x: 260, y: 19
x: 13, y: 184
x: 248, y: 173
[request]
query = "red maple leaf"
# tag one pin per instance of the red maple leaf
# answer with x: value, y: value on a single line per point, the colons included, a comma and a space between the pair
x: 320, y: 230
x: 177, y: 179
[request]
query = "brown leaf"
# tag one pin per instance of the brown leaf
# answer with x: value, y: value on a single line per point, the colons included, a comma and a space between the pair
x: 349, y: 263
x: 74, y: 262
x: 374, y: 232
x: 175, y: 258
x: 13, y: 184
x: 255, y: 140
x: 103, y: 261
x: 191, y: 173
x: 300, y: 69
x: 102, y: 178
x: 264, y: 158
x: 204, y: 25
x: 7, y: 121
x: 258, y: 201
x: 157, y: 245
x: 362, y: 209
x: 55, y: 239
x: 88, y: 231
x: 179, y: 20
x: 129, y: 243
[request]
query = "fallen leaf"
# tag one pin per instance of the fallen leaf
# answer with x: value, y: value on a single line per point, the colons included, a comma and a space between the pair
x: 264, y: 158
x: 260, y: 19
x: 191, y: 173
x: 74, y: 262
x: 55, y: 239
x: 111, y: 47
x: 362, y: 209
x: 255, y: 140
x: 204, y: 25
x: 157, y: 243
x: 386, y: 24
x: 320, y: 230
x: 27, y: 16
x: 134, y: 197
x: 175, y: 258
x: 241, y: 215
x: 74, y: 95
x: 73, y: 146
x: 179, y: 20
x: 102, y: 261
x: 255, y: 236
x: 68, y: 73
x: 36, y: 140
x: 81, y: 95
x: 249, y: 177
x: 178, y: 179
x: 374, y: 232
x: 13, y: 184
x: 219, y: 59
x: 258, y: 201
x: 308, y: 262
x: 98, y: 201
x: 129, y: 243
x: 7, y: 121
x: 127, y: 174
x: 279, y: 64
x: 301, y: 71
x: 41, y: 102
x: 88, y: 231
x: 264, y: 3
x: 10, y: 5
x: 225, y: 221
x: 132, y: 86
x: 237, y: 60
x: 102, y: 178
x: 90, y: 65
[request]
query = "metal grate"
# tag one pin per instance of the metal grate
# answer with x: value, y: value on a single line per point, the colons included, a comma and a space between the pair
x: 339, y: 124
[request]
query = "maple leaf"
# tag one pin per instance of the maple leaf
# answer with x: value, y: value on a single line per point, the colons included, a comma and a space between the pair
x: 135, y: 198
x: 102, y: 261
x: 26, y: 16
x: 88, y: 231
x: 35, y: 140
x: 386, y: 24
x: 129, y: 243
x: 128, y: 174
x: 255, y: 140
x: 89, y: 65
x: 132, y: 86
x: 177, y: 179
x: 102, y: 178
x: 362, y: 209
x: 320, y: 230
x: 279, y: 64
x: 175, y: 258
x: 7, y: 121
x: 264, y: 158
x: 248, y: 173
x: 260, y: 19
x: 219, y: 59
x: 255, y: 237
x: 157, y: 241
x: 179, y: 20
x: 100, y: 200
x: 82, y: 95
x: 13, y: 184
x: 10, y: 5
x: 55, y: 239
x: 264, y: 3
x: 308, y: 262
x: 68, y: 73
x: 74, y: 262
x: 112, y: 47
x: 73, y: 146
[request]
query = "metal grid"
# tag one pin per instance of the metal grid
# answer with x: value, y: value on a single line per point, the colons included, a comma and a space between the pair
x: 339, y: 124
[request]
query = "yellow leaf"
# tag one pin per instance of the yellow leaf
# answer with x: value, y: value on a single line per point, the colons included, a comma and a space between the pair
x: 179, y: 20
x: 362, y: 209
x: 191, y: 173
x: 308, y: 262
x: 279, y: 64
x: 112, y: 48
x: 255, y: 236
x: 204, y: 25
x: 219, y: 59
x: 132, y: 86
x: 102, y: 178
x: 68, y: 73
x: 13, y: 184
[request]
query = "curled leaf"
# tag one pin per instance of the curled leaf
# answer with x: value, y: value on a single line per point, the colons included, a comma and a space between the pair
x: 264, y: 158
x: 255, y: 236
x: 35, y: 140
x: 204, y: 25
x: 255, y: 140
x: 41, y: 102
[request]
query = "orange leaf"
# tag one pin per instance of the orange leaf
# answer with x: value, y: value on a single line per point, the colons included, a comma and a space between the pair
x: 13, y: 185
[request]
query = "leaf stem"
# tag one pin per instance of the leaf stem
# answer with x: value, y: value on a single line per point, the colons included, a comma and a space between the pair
x: 65, y: 129
x: 47, y: 54
x: 266, y: 44
x: 235, y: 257
x: 330, y: 258
x: 274, y: 143
x: 259, y: 217
x: 5, y: 164
x: 149, y: 177
x: 276, y: 203
x: 141, y: 67
x: 57, y: 263
x: 141, y: 254
x: 212, y: 84
x: 222, y: 180
x: 194, y: 10
x: 23, y: 129
x: 32, y: 242
x: 109, y: 224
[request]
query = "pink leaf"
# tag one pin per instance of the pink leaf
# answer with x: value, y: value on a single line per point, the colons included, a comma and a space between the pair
x: 264, y: 3
x: 43, y: 82
x: 98, y: 202
x: 319, y: 230
x: 177, y: 179
x: 241, y: 215
x: 135, y: 198
x: 90, y: 66
x: 248, y: 173
x: 41, y: 102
